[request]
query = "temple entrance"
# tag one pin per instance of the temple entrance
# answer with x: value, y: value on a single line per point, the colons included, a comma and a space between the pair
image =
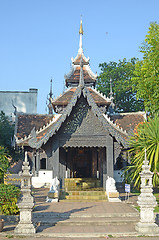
x: 81, y: 163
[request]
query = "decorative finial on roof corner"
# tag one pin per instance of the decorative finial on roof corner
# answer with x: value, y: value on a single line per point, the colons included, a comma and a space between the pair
x: 51, y: 88
x: 111, y: 91
x: 112, y: 105
x: 81, y: 28
x: 49, y: 99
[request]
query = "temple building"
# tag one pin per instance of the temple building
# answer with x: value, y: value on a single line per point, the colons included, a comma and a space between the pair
x: 80, y: 140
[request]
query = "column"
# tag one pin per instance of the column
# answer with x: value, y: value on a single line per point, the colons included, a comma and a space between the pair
x: 37, y: 162
x: 56, y: 163
x: 33, y: 163
x: 110, y: 157
x: 105, y: 169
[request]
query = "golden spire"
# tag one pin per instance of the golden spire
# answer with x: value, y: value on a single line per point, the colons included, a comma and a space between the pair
x: 81, y: 28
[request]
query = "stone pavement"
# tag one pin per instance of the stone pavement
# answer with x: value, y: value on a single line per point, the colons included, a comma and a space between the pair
x: 81, y: 220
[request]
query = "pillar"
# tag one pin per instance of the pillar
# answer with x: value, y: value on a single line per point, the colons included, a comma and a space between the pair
x: 56, y: 162
x: 33, y: 163
x: 37, y: 163
x: 110, y: 157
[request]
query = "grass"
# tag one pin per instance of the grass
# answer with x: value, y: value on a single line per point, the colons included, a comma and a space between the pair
x: 9, y: 236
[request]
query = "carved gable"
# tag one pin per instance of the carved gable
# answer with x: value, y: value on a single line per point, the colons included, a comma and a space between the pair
x: 82, y: 128
x: 82, y: 121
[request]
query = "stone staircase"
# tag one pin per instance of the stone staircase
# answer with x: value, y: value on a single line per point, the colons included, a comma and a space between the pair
x: 86, y: 225
x: 73, y: 219
x: 82, y: 189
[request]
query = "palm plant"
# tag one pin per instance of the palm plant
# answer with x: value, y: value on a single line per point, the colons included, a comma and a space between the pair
x: 146, y: 137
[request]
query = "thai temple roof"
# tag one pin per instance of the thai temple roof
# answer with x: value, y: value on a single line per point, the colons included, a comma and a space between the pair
x: 35, y: 130
x: 65, y: 98
x: 72, y: 78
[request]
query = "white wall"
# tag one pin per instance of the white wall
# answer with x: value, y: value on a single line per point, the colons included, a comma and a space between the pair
x: 43, y: 180
x: 25, y: 102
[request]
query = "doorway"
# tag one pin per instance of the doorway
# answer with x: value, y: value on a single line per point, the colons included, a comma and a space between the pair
x: 82, y: 163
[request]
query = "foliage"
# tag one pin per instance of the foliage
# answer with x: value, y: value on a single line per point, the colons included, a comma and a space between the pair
x: 145, y: 137
x: 6, y: 136
x: 121, y: 74
x: 4, y: 162
x: 6, y: 130
x: 8, y: 199
x: 146, y: 79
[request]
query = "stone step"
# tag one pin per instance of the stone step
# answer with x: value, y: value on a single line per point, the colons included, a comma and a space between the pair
x: 81, y: 183
x: 82, y: 197
x: 87, y: 231
x: 86, y: 193
x: 87, y: 221
x: 52, y: 215
x: 87, y: 235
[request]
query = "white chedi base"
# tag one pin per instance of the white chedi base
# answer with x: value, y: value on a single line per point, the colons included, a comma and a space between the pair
x: 24, y: 228
x: 147, y: 228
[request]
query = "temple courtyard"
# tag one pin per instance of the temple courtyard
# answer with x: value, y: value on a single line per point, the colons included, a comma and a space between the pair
x: 83, y: 219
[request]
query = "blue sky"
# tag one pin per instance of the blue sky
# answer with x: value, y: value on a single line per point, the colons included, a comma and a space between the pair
x: 39, y: 37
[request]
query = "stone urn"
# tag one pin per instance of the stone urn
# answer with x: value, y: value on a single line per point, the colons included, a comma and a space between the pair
x: 1, y: 224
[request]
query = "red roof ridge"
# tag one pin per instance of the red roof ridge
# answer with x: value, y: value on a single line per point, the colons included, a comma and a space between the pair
x: 100, y: 94
x: 61, y: 94
x: 115, y: 125
x: 43, y: 128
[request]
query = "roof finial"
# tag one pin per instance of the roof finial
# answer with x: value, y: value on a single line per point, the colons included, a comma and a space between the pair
x: 50, y: 94
x: 49, y: 98
x: 81, y: 28
x: 112, y: 105
x: 111, y: 91
x: 80, y: 33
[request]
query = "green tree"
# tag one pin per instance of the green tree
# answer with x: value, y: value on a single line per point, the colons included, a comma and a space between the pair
x: 146, y: 79
x: 6, y: 136
x: 121, y: 74
x: 146, y: 137
x: 4, y: 162
x: 6, y: 131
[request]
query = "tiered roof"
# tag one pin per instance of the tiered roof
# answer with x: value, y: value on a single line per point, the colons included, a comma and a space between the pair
x: 72, y: 78
x: 37, y: 138
x: 65, y: 98
x: 36, y: 130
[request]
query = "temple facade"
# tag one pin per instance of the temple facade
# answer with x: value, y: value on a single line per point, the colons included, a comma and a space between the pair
x: 80, y: 140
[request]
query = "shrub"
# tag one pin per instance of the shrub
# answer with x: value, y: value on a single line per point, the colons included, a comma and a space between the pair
x: 4, y: 162
x: 8, y: 198
x: 146, y: 137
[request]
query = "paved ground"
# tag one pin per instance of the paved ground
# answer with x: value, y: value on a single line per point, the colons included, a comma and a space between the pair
x: 75, y: 210
x: 107, y: 237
